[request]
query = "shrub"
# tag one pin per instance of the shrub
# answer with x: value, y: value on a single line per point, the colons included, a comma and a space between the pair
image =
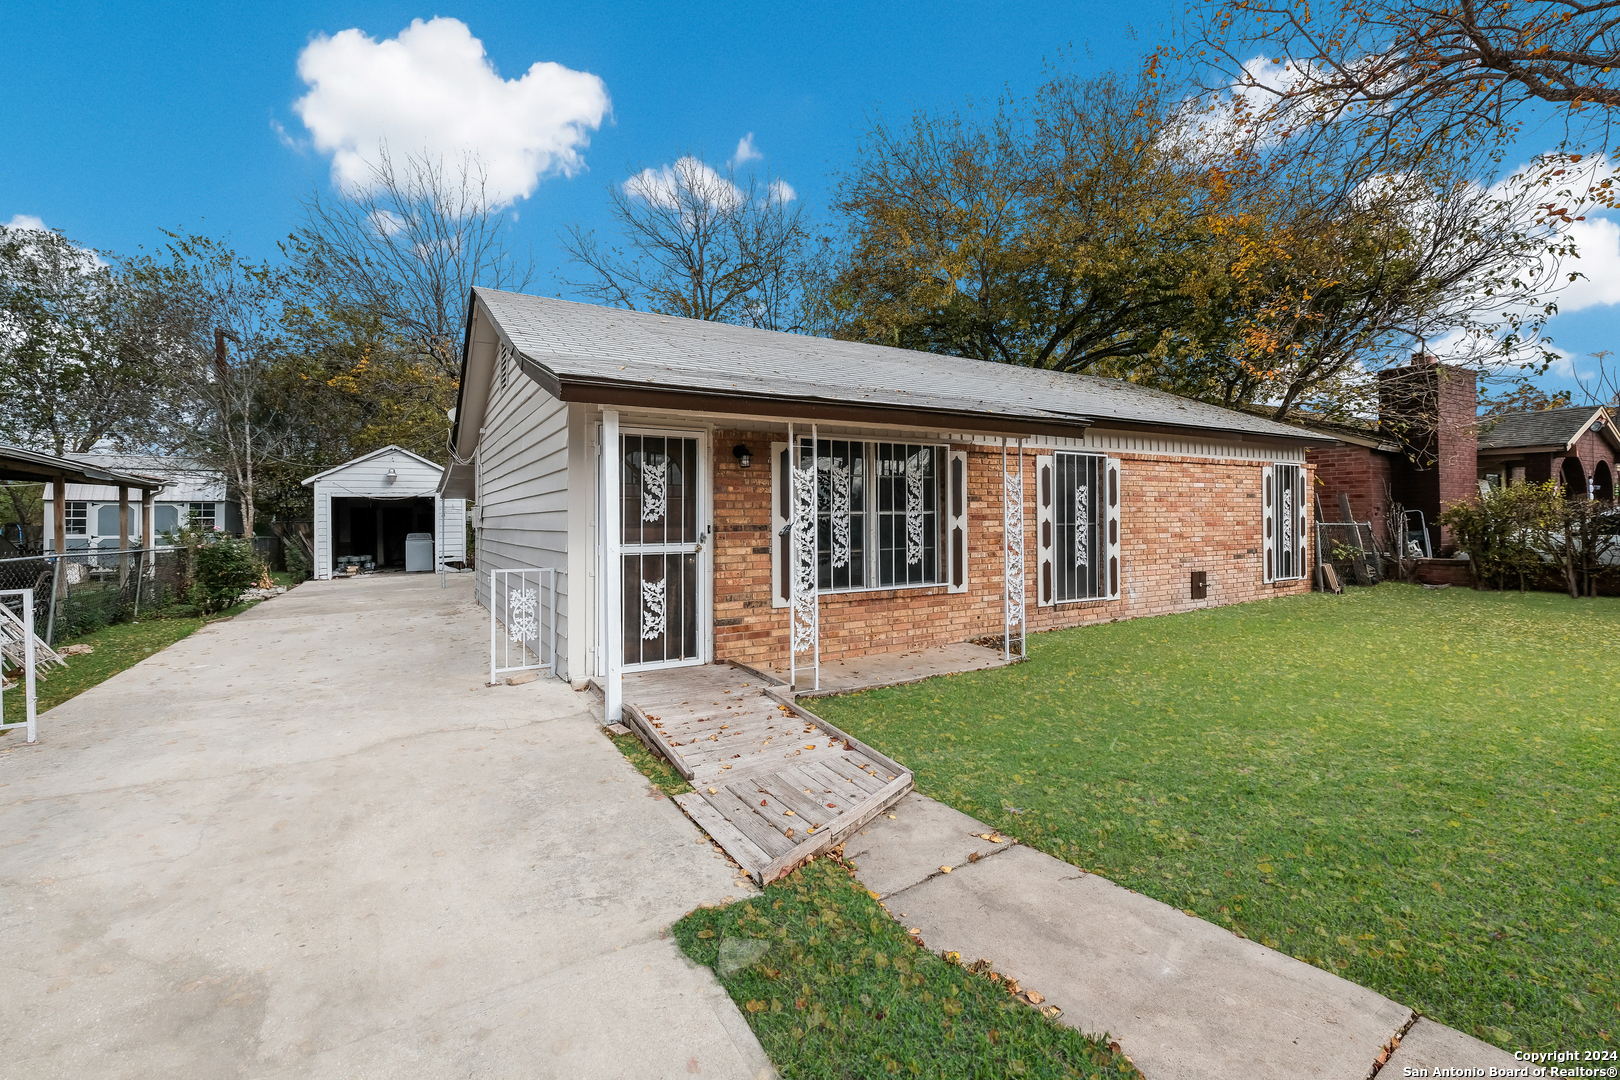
x: 221, y: 571
x: 1506, y: 531
x: 297, y: 562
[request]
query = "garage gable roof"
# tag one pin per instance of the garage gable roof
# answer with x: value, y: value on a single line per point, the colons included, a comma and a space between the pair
x: 391, y: 448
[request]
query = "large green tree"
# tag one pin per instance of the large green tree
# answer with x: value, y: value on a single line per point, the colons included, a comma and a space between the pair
x: 1059, y: 232
x: 82, y: 358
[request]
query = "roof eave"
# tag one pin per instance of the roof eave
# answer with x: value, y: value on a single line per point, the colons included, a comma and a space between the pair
x: 1533, y: 448
x: 639, y: 395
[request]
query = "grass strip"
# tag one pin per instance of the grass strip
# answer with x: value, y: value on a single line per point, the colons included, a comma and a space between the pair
x: 835, y: 988
x: 115, y: 648
x: 653, y: 766
x: 1416, y: 789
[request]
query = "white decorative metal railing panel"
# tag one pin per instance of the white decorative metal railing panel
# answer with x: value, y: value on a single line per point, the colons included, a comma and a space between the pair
x: 23, y: 653
x: 522, y: 621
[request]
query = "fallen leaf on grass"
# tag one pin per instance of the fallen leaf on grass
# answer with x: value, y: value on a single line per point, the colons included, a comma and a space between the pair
x: 1052, y: 1012
x: 1034, y: 997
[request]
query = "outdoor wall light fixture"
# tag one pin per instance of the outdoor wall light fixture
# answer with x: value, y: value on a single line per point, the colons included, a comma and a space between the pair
x: 391, y: 476
x: 744, y: 458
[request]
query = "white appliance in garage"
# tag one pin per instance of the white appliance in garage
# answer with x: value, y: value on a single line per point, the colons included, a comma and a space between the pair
x: 418, y: 552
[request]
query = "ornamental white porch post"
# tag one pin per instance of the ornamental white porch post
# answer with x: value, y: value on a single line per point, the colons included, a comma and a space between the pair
x: 804, y: 608
x: 613, y: 572
x: 1012, y: 535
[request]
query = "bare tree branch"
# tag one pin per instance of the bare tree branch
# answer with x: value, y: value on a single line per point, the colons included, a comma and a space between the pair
x: 700, y: 244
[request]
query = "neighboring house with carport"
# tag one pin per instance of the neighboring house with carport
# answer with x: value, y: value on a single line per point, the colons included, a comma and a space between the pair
x: 90, y: 514
x: 382, y: 510
x: 708, y: 492
x: 1575, y: 446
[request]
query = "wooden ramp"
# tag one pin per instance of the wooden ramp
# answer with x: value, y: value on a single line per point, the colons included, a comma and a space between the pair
x: 775, y: 783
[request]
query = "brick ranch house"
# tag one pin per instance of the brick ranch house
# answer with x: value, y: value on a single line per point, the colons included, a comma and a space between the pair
x: 1431, y: 449
x: 708, y: 492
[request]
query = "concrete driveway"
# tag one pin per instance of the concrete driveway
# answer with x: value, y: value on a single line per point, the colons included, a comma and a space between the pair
x: 310, y: 842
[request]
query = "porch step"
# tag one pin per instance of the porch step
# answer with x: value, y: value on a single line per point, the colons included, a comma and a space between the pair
x: 775, y: 783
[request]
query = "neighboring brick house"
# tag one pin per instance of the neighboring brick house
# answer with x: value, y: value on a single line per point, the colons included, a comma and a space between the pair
x: 708, y: 492
x: 1431, y: 450
x: 1575, y: 446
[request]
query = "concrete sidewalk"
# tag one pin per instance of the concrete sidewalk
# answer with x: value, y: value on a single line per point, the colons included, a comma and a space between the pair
x: 1186, y: 999
x: 310, y: 842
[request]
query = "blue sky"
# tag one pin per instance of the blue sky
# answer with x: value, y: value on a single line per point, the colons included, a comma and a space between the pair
x: 122, y: 119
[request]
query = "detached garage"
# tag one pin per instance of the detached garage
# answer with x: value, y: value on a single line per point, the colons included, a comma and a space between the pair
x: 381, y: 511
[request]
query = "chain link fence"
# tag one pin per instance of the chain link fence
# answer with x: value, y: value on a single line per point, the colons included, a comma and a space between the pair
x: 1351, y: 549
x: 80, y: 591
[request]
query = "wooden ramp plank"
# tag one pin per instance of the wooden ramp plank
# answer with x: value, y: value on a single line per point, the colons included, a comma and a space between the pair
x: 743, y: 851
x: 763, y: 758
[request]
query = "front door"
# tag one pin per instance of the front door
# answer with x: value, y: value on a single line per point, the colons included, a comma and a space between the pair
x: 662, y: 529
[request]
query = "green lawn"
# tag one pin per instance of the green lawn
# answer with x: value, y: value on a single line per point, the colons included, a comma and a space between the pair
x: 1416, y: 789
x: 834, y: 988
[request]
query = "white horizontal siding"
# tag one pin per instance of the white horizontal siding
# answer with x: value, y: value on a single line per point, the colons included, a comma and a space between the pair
x: 452, y: 539
x: 323, y: 535
x: 523, y: 490
x: 367, y: 478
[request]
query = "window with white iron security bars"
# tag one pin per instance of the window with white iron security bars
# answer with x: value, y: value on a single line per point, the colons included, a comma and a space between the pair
x: 1284, y: 522
x: 1079, y: 558
x: 879, y: 510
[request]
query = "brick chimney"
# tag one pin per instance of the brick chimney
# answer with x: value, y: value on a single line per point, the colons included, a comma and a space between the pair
x: 1431, y: 411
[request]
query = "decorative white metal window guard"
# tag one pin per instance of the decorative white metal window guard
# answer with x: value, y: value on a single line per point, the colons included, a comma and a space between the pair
x: 654, y: 617
x: 21, y: 647
x: 1082, y: 532
x: 654, y: 490
x: 1012, y: 531
x: 840, y: 513
x: 522, y: 621
x: 914, y: 511
x: 804, y: 608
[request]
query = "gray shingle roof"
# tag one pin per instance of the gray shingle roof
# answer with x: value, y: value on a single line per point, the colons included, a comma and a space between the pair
x: 584, y: 345
x: 1545, y: 427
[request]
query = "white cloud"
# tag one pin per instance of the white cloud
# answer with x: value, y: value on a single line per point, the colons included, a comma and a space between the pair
x: 434, y: 89
x: 386, y: 222
x: 688, y: 180
x: 782, y: 191
x: 746, y: 151
x: 1597, y: 242
x: 26, y: 221
x: 291, y: 143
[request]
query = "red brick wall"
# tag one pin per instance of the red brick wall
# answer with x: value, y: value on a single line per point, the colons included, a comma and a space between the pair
x: 1177, y: 515
x: 1590, y: 449
x: 1432, y: 410
x: 1359, y: 472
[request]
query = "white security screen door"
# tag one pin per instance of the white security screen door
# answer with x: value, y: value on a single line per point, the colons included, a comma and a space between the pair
x: 662, y: 529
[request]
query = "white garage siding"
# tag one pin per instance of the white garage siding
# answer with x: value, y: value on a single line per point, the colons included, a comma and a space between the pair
x: 523, y: 487
x: 366, y: 477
